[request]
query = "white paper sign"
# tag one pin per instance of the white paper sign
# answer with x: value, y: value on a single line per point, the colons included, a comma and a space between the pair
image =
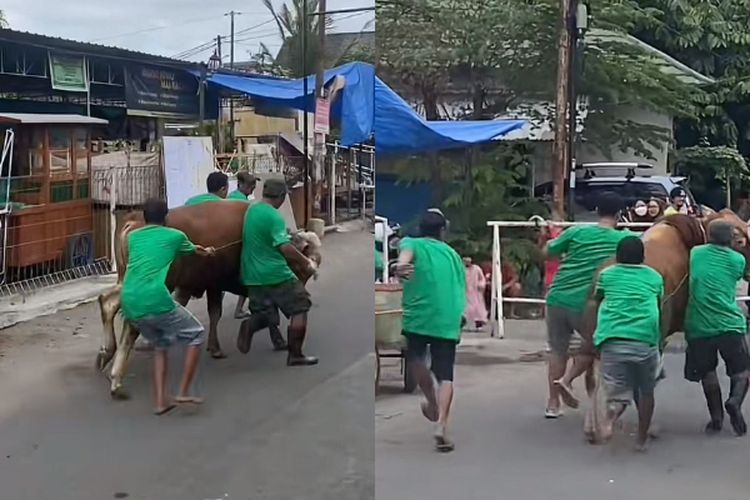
x: 187, y: 163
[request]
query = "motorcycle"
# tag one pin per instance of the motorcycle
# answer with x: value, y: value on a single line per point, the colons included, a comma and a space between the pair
x: 388, y: 233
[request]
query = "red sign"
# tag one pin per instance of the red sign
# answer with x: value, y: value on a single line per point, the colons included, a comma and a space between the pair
x: 322, y: 116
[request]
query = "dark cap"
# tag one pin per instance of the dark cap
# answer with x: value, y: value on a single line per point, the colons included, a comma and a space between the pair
x: 432, y: 222
x: 274, y: 188
x: 678, y: 191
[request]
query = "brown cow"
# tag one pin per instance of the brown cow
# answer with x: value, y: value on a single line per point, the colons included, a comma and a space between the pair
x: 210, y: 224
x: 667, y: 247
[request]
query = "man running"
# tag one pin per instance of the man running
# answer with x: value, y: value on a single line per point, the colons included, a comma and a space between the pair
x: 267, y: 260
x: 146, y: 302
x: 217, y: 184
x: 434, y: 299
x: 582, y: 249
x: 715, y: 325
x: 246, y: 183
x: 628, y: 335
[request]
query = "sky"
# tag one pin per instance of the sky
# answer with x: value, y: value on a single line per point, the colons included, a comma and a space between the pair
x: 166, y: 27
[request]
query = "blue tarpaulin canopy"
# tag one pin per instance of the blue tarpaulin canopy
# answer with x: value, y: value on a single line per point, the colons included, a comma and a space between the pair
x: 367, y: 107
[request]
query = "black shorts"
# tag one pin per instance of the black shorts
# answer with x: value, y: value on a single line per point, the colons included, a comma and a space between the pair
x: 290, y: 297
x: 702, y: 355
x: 442, y: 354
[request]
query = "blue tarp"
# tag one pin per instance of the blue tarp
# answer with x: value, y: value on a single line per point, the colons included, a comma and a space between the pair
x: 367, y: 107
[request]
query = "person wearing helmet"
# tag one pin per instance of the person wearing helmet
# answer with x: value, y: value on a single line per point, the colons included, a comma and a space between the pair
x: 677, y: 203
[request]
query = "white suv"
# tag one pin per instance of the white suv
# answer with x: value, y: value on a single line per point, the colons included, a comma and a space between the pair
x: 632, y: 187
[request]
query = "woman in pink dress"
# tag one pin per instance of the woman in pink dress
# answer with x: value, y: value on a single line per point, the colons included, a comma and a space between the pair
x: 476, y: 311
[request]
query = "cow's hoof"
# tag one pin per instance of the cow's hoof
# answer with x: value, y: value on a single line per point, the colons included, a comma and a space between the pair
x: 119, y: 394
x: 217, y: 354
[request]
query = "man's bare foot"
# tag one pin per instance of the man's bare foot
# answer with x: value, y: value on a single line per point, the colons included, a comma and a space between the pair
x: 641, y: 445
x: 188, y: 400
x: 216, y: 353
x: 566, y: 393
x: 442, y: 443
x: 163, y: 410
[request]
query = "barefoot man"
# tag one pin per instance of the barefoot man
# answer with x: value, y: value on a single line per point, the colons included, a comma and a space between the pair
x: 715, y: 325
x: 433, y: 302
x: 268, y: 257
x: 147, y: 304
x: 628, y: 335
x: 582, y: 249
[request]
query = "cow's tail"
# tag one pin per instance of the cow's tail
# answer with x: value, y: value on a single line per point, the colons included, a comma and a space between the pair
x: 121, y: 248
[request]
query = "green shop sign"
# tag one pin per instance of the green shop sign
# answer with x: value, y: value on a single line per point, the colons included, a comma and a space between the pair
x: 68, y: 73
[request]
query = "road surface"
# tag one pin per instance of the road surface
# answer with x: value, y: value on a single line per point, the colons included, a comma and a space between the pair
x: 506, y: 450
x: 265, y: 432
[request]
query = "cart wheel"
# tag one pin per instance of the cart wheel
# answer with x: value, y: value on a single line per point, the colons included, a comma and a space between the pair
x: 410, y: 382
x: 79, y: 251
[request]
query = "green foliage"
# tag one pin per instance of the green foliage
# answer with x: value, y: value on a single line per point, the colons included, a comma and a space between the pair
x: 291, y: 26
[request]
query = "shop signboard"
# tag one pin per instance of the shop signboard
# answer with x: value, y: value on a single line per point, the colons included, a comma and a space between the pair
x: 161, y: 90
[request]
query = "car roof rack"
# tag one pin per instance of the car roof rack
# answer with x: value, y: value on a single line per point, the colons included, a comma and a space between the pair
x: 590, y: 169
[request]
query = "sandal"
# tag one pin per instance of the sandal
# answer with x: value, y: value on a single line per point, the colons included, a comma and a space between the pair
x: 566, y: 393
x: 552, y: 413
x: 188, y: 400
x: 163, y: 411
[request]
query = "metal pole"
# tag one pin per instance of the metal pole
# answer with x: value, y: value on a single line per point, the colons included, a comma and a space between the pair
x: 305, y: 131
x: 231, y: 15
x: 561, y: 159
x: 88, y: 89
x: 497, y: 285
x: 319, y: 138
x: 332, y: 183
x: 220, y: 118
x: 113, y: 217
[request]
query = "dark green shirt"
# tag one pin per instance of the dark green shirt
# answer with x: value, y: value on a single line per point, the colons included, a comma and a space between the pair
x: 434, y: 298
x: 583, y: 249
x: 712, y: 307
x: 630, y: 309
x: 203, y: 198
x: 262, y: 263
x: 151, y: 251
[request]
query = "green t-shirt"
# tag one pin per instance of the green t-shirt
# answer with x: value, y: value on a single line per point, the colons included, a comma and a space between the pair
x: 630, y: 309
x: 712, y: 307
x: 434, y: 298
x: 237, y: 195
x: 264, y: 231
x: 151, y: 250
x: 583, y: 249
x: 202, y: 198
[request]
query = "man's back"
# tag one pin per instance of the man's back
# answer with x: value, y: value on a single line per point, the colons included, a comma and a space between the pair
x: 583, y: 250
x: 631, y: 304
x: 202, y: 198
x: 262, y: 263
x: 434, y: 297
x: 151, y: 251
x: 712, y: 307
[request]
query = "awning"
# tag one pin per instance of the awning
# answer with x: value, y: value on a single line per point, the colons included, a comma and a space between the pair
x: 367, y: 108
x: 49, y: 119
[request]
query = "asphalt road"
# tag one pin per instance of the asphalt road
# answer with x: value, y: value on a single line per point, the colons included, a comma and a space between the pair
x: 506, y: 450
x: 265, y: 432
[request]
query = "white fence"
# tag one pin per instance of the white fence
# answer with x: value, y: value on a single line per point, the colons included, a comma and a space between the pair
x: 496, y: 309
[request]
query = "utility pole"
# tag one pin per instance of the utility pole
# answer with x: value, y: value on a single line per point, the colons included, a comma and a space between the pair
x: 220, y: 128
x: 561, y: 147
x: 305, y: 131
x: 231, y: 15
x: 319, y: 146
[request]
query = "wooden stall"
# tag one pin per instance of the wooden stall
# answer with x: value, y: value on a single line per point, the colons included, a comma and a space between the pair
x: 51, y: 218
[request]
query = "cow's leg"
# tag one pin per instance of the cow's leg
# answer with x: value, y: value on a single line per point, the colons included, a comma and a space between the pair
x: 109, y: 304
x: 214, y: 298
x: 122, y: 356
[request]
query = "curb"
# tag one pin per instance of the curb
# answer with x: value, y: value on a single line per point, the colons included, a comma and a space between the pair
x: 20, y: 308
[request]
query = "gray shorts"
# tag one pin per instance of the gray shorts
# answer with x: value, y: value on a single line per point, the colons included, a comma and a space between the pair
x: 627, y: 368
x: 562, y: 323
x: 178, y: 325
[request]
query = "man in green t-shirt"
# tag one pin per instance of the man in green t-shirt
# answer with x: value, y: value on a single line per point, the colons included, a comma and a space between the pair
x: 266, y: 263
x: 582, y: 250
x: 715, y: 325
x: 434, y: 299
x: 246, y: 183
x: 148, y: 306
x: 628, y: 335
x: 217, y: 184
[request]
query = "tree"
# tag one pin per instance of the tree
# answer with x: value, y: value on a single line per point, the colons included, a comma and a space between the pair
x: 3, y: 20
x: 291, y: 26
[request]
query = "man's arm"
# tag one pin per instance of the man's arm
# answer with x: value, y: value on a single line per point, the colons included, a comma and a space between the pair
x: 559, y: 246
x: 188, y: 247
x: 300, y: 265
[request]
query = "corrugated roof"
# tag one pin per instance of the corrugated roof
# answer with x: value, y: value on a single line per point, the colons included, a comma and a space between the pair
x: 50, y: 119
x: 86, y: 48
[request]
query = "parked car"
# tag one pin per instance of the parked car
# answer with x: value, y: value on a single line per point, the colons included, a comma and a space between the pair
x: 632, y: 186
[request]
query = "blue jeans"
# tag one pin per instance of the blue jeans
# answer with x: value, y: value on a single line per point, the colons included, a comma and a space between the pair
x: 628, y: 368
x: 178, y: 325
